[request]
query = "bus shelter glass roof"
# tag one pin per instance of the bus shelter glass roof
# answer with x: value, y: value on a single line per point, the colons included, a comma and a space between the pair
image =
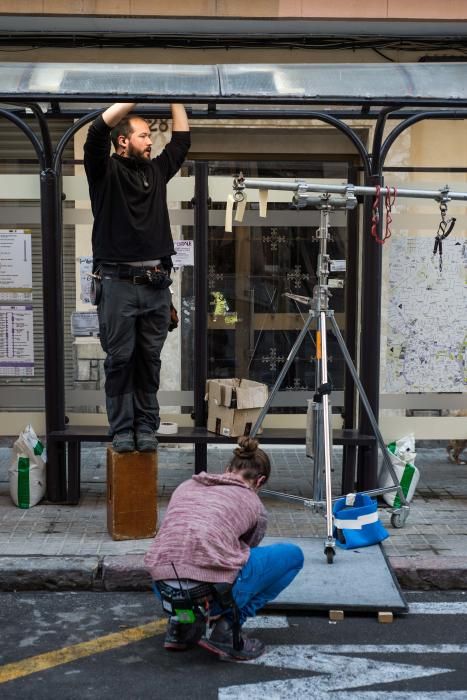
x: 426, y: 84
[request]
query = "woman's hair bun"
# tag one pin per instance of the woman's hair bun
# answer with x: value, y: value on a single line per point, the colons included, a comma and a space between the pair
x: 247, y: 447
x: 250, y: 460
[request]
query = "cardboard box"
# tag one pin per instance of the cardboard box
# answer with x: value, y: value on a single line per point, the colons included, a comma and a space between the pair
x: 234, y: 405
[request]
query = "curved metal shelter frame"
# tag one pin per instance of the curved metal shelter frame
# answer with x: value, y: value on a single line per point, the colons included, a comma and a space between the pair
x: 330, y: 93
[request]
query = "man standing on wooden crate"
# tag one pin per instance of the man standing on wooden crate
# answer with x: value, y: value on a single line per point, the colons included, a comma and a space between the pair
x: 132, y: 248
x: 206, y: 563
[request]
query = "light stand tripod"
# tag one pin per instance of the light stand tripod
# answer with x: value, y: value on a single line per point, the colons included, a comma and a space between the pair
x: 319, y: 309
x: 322, y: 438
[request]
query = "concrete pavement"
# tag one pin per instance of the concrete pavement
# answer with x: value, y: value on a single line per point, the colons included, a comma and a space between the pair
x: 68, y: 548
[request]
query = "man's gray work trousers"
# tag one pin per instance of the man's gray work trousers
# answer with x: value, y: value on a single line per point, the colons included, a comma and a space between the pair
x: 133, y: 325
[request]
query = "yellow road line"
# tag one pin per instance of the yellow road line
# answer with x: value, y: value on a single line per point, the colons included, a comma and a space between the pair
x: 42, y: 662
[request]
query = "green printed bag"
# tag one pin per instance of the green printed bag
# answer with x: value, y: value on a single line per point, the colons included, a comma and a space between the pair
x: 402, y: 455
x: 27, y: 472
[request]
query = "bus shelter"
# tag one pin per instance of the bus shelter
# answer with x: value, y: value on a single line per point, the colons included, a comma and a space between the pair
x: 394, y: 96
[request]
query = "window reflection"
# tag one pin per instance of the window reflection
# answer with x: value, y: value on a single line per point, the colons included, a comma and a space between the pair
x: 251, y: 324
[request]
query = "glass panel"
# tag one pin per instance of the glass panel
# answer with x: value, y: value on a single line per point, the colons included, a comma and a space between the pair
x: 102, y: 79
x: 252, y: 324
x: 424, y: 295
x: 430, y: 144
x: 423, y: 318
x: 380, y: 82
x: 21, y: 289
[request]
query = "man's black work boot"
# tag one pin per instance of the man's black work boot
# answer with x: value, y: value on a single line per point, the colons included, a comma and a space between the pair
x: 146, y: 441
x: 124, y: 441
x: 181, y: 636
x: 220, y: 642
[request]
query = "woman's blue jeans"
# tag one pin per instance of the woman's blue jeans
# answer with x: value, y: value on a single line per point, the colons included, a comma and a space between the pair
x: 267, y: 572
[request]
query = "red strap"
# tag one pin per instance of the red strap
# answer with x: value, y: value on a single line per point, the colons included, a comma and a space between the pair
x: 375, y: 214
x: 389, y: 201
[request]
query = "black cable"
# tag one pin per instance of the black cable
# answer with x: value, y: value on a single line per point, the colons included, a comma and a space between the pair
x: 380, y: 53
x: 20, y: 42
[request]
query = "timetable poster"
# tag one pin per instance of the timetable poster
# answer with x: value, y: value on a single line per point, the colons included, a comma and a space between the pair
x: 16, y: 341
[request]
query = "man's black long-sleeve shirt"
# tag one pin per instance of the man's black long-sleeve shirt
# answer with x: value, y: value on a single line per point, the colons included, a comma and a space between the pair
x: 129, y: 198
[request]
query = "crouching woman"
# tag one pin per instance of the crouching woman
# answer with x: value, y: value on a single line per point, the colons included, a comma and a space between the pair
x: 210, y: 533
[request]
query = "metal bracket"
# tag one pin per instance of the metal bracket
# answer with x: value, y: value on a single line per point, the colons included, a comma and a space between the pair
x: 443, y: 197
x: 350, y: 198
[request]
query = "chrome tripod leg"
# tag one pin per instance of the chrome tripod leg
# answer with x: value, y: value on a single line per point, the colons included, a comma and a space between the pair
x: 314, y: 420
x: 330, y: 544
x: 370, y: 414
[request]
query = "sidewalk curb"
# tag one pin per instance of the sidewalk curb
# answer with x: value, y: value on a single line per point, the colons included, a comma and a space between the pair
x: 430, y: 573
x: 127, y: 573
x: 61, y: 573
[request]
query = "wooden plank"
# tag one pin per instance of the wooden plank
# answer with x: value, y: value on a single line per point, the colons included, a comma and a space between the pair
x: 385, y: 617
x: 131, y: 494
x: 336, y: 615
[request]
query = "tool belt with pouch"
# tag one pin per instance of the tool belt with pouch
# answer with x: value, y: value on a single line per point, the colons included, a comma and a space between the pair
x: 180, y: 601
x: 95, y: 292
x: 176, y: 599
x: 157, y: 277
x: 184, y: 602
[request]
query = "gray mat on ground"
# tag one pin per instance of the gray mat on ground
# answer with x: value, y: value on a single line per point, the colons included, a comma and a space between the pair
x: 359, y: 580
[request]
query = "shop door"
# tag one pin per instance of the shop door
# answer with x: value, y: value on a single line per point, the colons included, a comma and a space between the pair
x: 252, y: 324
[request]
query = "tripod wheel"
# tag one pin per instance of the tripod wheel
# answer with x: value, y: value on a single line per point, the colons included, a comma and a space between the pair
x: 329, y: 552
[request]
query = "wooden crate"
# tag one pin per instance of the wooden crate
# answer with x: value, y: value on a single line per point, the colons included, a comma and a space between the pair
x: 131, y: 494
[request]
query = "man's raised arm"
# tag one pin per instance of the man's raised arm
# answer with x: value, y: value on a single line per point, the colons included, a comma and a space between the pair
x: 115, y: 113
x: 179, y: 118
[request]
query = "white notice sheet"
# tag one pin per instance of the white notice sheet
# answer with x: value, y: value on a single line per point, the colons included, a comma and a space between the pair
x: 15, y: 265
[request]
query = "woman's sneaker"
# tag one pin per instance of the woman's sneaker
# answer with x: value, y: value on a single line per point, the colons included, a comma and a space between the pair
x: 220, y: 642
x: 181, y: 636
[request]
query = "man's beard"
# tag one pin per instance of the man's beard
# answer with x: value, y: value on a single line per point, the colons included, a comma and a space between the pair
x: 137, y: 155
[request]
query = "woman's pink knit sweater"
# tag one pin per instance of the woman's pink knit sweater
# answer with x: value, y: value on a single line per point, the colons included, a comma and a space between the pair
x: 211, y: 522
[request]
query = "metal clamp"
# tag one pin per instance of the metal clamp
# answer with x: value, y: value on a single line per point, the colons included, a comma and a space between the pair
x: 300, y: 196
x: 239, y: 186
x: 350, y: 198
x: 443, y: 195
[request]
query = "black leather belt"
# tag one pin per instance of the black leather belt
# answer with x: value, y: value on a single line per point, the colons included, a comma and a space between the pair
x: 135, y: 275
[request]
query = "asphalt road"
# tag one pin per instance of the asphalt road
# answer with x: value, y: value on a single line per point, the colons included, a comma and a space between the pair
x: 109, y: 645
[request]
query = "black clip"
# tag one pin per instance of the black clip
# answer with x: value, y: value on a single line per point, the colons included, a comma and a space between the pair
x: 444, y: 229
x: 323, y: 389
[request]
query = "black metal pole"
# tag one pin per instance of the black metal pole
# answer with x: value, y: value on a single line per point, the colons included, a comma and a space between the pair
x: 370, y: 340
x: 351, y: 306
x: 53, y: 330
x: 201, y: 306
